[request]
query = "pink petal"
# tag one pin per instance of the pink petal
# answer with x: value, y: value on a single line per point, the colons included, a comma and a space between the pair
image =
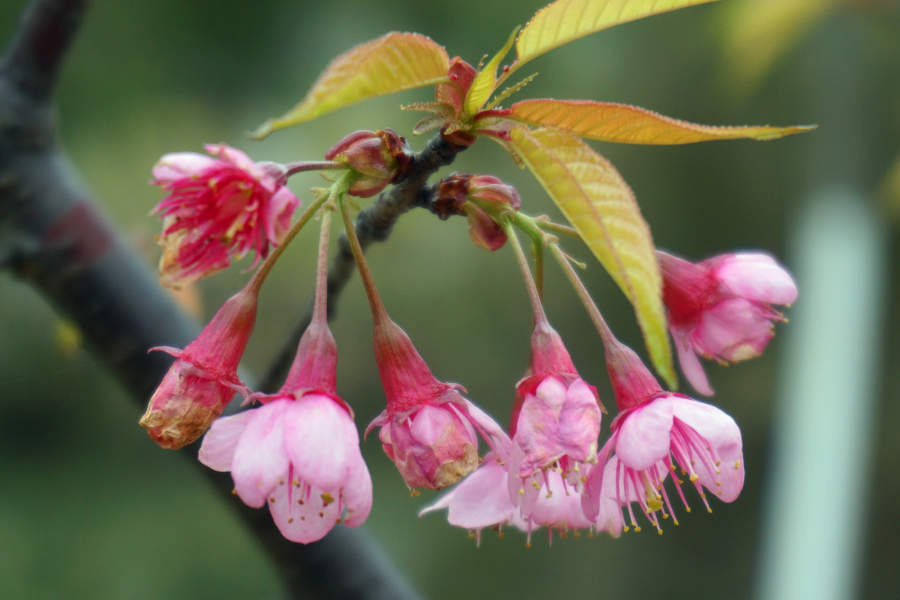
x: 357, y: 493
x: 320, y: 440
x: 596, y: 478
x: 178, y: 165
x: 579, y: 422
x: 480, y: 500
x: 643, y: 436
x: 499, y: 441
x: 561, y: 510
x: 235, y: 157
x: 609, y: 517
x: 691, y: 366
x: 734, y: 329
x: 724, y: 437
x: 303, y: 514
x: 217, y: 449
x: 260, y: 461
x: 757, y: 277
x: 278, y: 213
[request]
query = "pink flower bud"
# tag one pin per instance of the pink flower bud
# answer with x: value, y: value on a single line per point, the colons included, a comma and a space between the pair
x: 428, y: 428
x: 216, y: 209
x: 483, y: 199
x: 382, y: 157
x: 299, y: 452
x: 204, y: 378
x: 721, y: 308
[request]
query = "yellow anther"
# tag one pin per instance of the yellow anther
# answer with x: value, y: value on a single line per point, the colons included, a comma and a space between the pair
x: 674, y: 521
x: 550, y: 494
x: 637, y: 529
x: 471, y: 535
x: 625, y: 529
x: 665, y: 516
x: 709, y: 510
x: 528, y: 544
x: 521, y: 491
x: 703, y: 495
x: 327, y: 499
x: 718, y: 483
x: 575, y: 468
x: 234, y: 492
x: 687, y: 508
x: 291, y: 520
x: 718, y: 463
x: 413, y: 493
x: 737, y: 465
x: 660, y: 531
x: 295, y: 482
x: 694, y: 477
x: 583, y: 479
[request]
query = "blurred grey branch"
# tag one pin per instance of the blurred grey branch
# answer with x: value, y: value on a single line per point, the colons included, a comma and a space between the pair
x: 53, y: 236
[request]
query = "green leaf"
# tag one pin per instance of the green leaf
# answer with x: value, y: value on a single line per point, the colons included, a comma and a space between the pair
x: 567, y: 20
x: 392, y: 63
x: 486, y: 81
x: 602, y: 208
x: 610, y: 122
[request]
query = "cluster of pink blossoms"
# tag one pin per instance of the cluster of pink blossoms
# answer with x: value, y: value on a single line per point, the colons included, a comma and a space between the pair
x: 298, y: 451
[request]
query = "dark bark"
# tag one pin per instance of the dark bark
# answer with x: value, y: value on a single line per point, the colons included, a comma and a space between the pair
x: 53, y: 236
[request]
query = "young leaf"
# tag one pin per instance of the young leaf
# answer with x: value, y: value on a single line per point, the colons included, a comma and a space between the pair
x: 600, y: 205
x: 609, y: 122
x: 486, y: 81
x: 392, y: 63
x: 567, y: 20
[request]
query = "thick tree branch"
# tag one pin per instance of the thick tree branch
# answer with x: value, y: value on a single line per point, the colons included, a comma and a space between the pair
x: 373, y: 224
x: 53, y: 236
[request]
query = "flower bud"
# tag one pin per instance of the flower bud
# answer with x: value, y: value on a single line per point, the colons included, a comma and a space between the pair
x: 483, y: 199
x: 204, y: 378
x: 453, y: 93
x: 428, y: 427
x: 382, y: 157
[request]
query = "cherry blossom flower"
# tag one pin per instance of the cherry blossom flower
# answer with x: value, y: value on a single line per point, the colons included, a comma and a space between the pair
x: 721, y: 308
x: 298, y: 452
x: 428, y: 428
x: 204, y: 378
x: 654, y: 432
x: 218, y: 207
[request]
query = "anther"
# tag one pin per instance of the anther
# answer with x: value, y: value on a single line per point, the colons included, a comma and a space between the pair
x: 291, y: 520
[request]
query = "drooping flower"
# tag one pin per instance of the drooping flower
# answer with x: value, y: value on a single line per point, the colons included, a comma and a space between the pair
x: 381, y: 157
x: 721, y: 308
x: 482, y: 500
x: 556, y: 419
x: 428, y: 428
x: 299, y: 452
x: 218, y: 207
x: 204, y: 378
x: 655, y: 432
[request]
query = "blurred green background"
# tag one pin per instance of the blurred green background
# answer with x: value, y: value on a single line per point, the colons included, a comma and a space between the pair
x: 91, y: 508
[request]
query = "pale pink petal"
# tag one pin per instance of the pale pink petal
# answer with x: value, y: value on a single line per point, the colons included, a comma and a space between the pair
x: 558, y: 509
x: 724, y: 437
x: 521, y: 491
x: 277, y: 215
x: 609, y: 517
x: 480, y: 500
x: 643, y: 436
x: 237, y: 158
x: 357, y: 493
x: 691, y: 366
x: 538, y: 434
x: 734, y: 329
x: 260, y: 461
x: 217, y: 449
x: 579, y: 422
x: 757, y: 277
x: 178, y: 165
x: 321, y: 441
x: 302, y: 513
x: 593, y: 487
x: 499, y: 441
